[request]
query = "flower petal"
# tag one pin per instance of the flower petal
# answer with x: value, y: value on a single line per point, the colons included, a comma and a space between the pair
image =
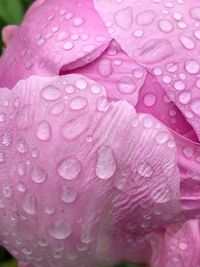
x: 53, y: 34
x: 164, y: 37
x: 117, y: 72
x: 110, y: 174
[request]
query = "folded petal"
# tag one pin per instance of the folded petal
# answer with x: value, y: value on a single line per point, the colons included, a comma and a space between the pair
x: 164, y: 37
x: 179, y: 247
x: 81, y: 179
x: 54, y: 33
x: 117, y: 72
x: 8, y: 32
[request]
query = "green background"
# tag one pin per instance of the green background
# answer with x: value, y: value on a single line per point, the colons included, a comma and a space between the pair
x: 11, y: 12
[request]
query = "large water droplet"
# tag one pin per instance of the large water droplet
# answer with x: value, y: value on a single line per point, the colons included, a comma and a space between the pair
x: 192, y: 66
x: 60, y: 230
x: 124, y: 18
x: 145, y: 18
x: 38, y: 174
x: 69, y: 168
x: 30, y: 204
x: 78, y: 103
x: 51, y: 93
x: 165, y: 25
x: 68, y: 194
x: 105, y: 67
x: 106, y: 164
x: 73, y: 129
x: 187, y: 42
x: 44, y: 130
x: 126, y: 85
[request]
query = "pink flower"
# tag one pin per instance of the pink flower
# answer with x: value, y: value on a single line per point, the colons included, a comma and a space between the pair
x: 99, y: 152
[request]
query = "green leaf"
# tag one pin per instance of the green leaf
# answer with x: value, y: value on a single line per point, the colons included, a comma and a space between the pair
x: 10, y: 263
x: 11, y: 11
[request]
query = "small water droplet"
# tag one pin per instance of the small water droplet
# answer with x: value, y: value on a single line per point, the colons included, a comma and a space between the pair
x: 38, y: 174
x: 22, y: 146
x: 78, y: 103
x: 124, y: 18
x: 81, y: 84
x: 145, y: 169
x: 105, y: 67
x: 187, y: 42
x: 165, y: 25
x: 126, y: 85
x: 149, y: 99
x: 145, y: 18
x: 195, y: 12
x: 192, y: 66
x: 162, y: 137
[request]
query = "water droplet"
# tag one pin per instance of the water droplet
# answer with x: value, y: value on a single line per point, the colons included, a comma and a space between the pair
x: 51, y: 93
x: 30, y: 204
x: 38, y: 174
x: 126, y: 85
x: 188, y: 152
x: 187, y: 42
x: 78, y: 103
x: 155, y: 50
x: 124, y: 18
x: 138, y: 33
x: 44, y: 131
x: 145, y: 18
x: 179, y: 85
x: 68, y: 45
x: 106, y: 164
x: 81, y: 84
x: 95, y: 89
x: 57, y: 109
x: 192, y: 66
x: 69, y: 168
x: 21, y: 169
x: 102, y: 104
x: 73, y: 129
x: 6, y: 139
x: 68, y: 194
x: 105, y: 67
x: 2, y: 117
x: 86, y: 238
x: 195, y: 106
x: 162, y: 137
x: 165, y: 25
x: 197, y: 34
x: 62, y: 36
x: 78, y: 22
x: 7, y: 191
x: 42, y: 242
x: 149, y: 99
x: 21, y: 187
x: 22, y: 146
x: 182, y: 245
x: 144, y: 169
x: 195, y: 12
x: 185, y: 97
x: 60, y: 230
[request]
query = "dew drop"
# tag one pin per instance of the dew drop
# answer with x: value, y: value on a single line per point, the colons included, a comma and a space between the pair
x: 149, y: 99
x: 185, y: 97
x: 44, y: 131
x: 124, y: 18
x: 73, y: 129
x: 38, y: 174
x: 78, y: 103
x: 60, y: 230
x: 126, y: 85
x: 145, y: 18
x: 192, y: 66
x: 51, y: 93
x: 57, y: 109
x: 68, y: 45
x: 195, y: 12
x: 30, y: 204
x: 22, y: 146
x: 69, y: 168
x: 195, y: 106
x: 68, y: 194
x: 105, y: 67
x: 162, y: 137
x: 179, y: 85
x: 106, y: 164
x: 165, y: 25
x: 187, y: 42
x: 81, y: 84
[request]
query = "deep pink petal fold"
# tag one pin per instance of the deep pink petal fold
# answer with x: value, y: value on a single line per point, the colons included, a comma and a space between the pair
x: 164, y: 37
x: 54, y: 33
x: 82, y: 179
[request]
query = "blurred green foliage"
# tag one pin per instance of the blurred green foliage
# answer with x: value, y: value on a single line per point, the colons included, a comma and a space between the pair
x: 11, y: 12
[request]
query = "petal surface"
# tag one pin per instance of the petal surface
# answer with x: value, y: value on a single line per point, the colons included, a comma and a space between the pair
x: 164, y: 37
x: 53, y: 34
x: 81, y: 179
x: 117, y: 72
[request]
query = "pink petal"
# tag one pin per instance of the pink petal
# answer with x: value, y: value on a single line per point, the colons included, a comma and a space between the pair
x: 8, y: 33
x: 82, y: 179
x: 164, y: 37
x: 179, y: 248
x: 154, y: 100
x: 55, y: 33
x: 117, y: 72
